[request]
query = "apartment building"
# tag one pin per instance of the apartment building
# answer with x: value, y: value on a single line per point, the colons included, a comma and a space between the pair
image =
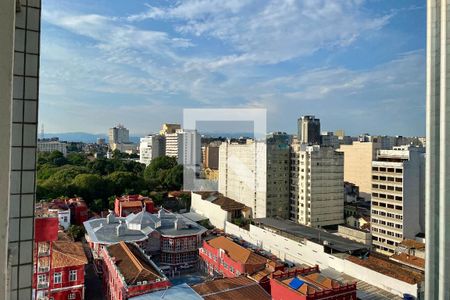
x: 316, y: 185
x: 358, y: 159
x: 118, y: 135
x: 398, y: 192
x: 167, y: 128
x: 308, y: 130
x: 257, y: 174
x: 185, y: 145
x: 50, y: 145
x: 150, y: 147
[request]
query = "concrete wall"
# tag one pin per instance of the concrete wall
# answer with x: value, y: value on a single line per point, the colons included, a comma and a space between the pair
x: 309, y: 253
x: 7, y: 19
x: 216, y: 215
x: 358, y: 159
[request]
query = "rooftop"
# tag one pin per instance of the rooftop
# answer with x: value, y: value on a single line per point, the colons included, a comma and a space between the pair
x: 137, y: 227
x: 236, y: 252
x: 297, y: 231
x: 410, y: 244
x: 231, y: 288
x: 409, y: 260
x: 225, y: 203
x: 390, y: 268
x: 66, y: 254
x: 181, y: 291
x: 133, y: 264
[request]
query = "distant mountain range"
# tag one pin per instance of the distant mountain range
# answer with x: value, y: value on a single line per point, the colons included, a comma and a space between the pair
x: 83, y: 137
x: 92, y: 137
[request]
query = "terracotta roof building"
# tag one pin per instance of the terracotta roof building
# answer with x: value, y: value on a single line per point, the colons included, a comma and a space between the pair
x: 231, y: 289
x: 223, y: 256
x: 59, y: 264
x: 128, y: 272
x: 125, y: 205
x: 308, y: 284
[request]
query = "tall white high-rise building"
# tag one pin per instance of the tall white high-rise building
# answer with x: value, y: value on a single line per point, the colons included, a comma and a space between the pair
x: 119, y: 135
x: 257, y: 174
x: 50, y: 145
x: 398, y: 190
x: 19, y: 85
x: 185, y: 145
x: 437, y: 197
x: 151, y: 147
x: 316, y: 185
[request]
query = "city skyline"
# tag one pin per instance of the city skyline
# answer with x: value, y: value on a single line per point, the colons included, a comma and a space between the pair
x: 141, y: 64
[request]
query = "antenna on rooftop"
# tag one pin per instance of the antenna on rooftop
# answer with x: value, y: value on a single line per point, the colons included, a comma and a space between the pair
x: 42, y: 131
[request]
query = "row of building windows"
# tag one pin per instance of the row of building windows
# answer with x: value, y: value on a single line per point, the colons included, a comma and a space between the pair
x: 387, y: 232
x: 390, y: 170
x: 387, y: 205
x: 385, y: 241
x: 384, y: 196
x: 57, y: 277
x: 387, y: 223
x: 387, y: 187
x: 387, y: 214
x: 387, y: 178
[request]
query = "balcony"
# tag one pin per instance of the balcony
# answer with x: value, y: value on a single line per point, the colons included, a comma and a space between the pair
x: 43, y: 285
x: 43, y: 253
x: 43, y: 269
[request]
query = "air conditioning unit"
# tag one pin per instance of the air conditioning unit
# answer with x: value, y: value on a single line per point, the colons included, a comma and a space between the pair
x: 139, y: 283
x: 144, y: 282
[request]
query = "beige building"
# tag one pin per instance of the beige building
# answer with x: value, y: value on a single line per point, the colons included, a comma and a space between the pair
x: 398, y: 191
x: 257, y: 175
x: 358, y: 159
x: 169, y: 128
x: 317, y: 186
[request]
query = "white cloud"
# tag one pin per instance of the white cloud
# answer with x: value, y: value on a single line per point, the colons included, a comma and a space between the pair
x: 268, y: 32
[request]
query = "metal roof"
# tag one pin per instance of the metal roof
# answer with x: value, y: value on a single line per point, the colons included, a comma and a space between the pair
x: 182, y: 291
x: 298, y: 231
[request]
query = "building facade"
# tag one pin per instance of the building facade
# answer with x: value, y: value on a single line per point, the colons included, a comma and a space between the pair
x: 118, y: 135
x: 50, y: 145
x: 398, y: 192
x: 309, y: 284
x: 150, y: 147
x: 58, y: 265
x: 221, y: 256
x: 438, y: 147
x: 358, y: 159
x: 128, y: 272
x: 257, y: 174
x: 167, y: 128
x: 128, y: 204
x: 19, y: 81
x: 308, y: 130
x: 316, y: 185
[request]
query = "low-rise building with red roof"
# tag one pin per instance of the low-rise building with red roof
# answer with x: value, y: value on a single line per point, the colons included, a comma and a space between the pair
x: 308, y: 284
x: 223, y: 256
x: 128, y: 272
x: 125, y: 205
x: 231, y: 288
x: 58, y: 264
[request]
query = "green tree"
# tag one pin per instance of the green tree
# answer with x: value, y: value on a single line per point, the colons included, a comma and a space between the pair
x: 57, y: 158
x: 91, y: 186
x: 77, y: 159
x: 122, y: 181
x: 76, y: 232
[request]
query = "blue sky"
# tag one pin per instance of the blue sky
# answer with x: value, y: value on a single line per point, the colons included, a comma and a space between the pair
x: 357, y: 65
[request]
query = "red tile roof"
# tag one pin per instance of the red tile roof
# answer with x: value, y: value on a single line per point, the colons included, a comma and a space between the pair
x: 384, y: 266
x: 131, y: 263
x: 237, y: 252
x: 238, y: 288
x: 66, y: 254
